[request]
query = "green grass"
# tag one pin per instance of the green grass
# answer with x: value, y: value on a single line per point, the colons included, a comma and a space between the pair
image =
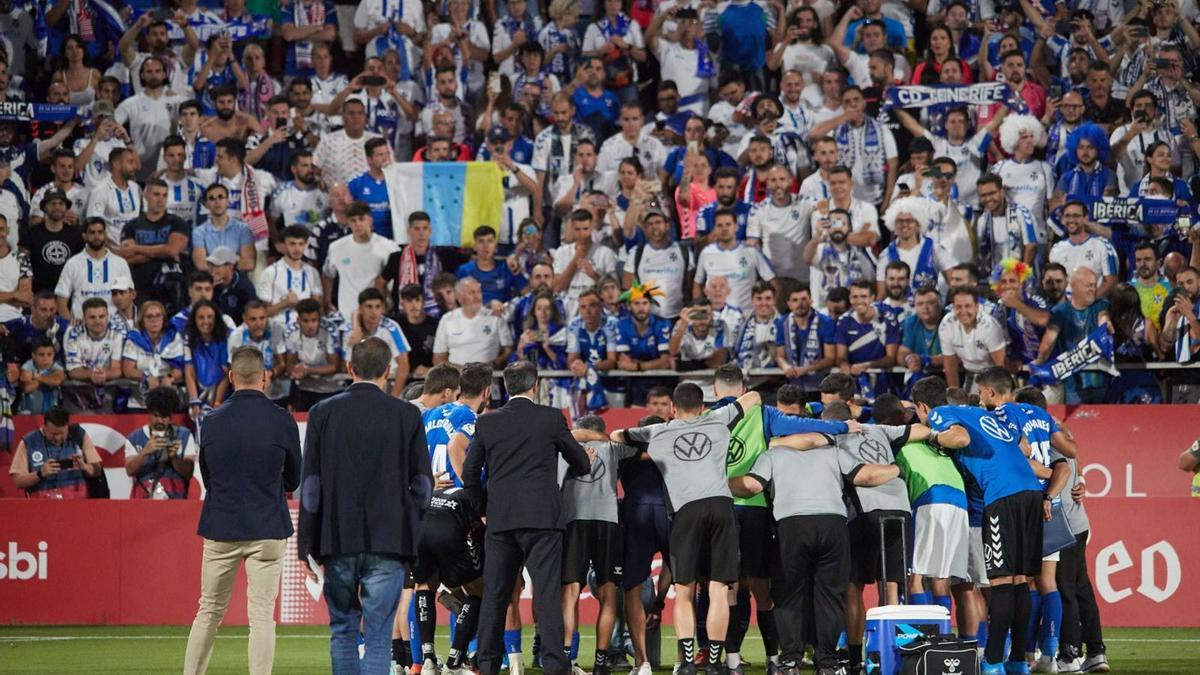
x: 159, y: 649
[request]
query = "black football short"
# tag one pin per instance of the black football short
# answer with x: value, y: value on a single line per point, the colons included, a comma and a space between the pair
x: 756, y: 540
x: 704, y: 542
x: 596, y: 544
x: 1012, y: 535
x: 865, y: 558
x: 455, y: 556
x: 646, y: 530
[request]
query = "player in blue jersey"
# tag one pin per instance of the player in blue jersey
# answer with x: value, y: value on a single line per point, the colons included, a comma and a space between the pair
x: 449, y: 429
x: 1049, y: 447
x: 990, y: 452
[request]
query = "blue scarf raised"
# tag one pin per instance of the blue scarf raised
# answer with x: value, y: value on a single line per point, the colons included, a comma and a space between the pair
x: 803, y: 346
x: 926, y: 272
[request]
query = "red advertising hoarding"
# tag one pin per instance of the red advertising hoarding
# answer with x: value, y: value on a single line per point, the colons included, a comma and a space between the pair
x: 140, y: 561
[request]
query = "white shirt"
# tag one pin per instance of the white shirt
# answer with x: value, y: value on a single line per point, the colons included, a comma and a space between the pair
x: 471, y: 340
x: 96, y: 169
x: 76, y: 194
x: 150, y: 121
x: 81, y: 350
x: 297, y: 206
x: 477, y: 35
x: 1030, y: 184
x: 1094, y: 253
x: 270, y: 344
x: 973, y: 348
x: 278, y: 279
x: 184, y: 198
x: 372, y: 13
x: 388, y: 331
x: 238, y: 206
x: 340, y: 157
x: 1131, y: 164
x: 783, y: 231
x: 153, y: 364
x: 860, y: 72
x: 810, y: 59
x: 518, y: 204
x: 356, y: 266
x: 742, y: 266
x: 648, y: 149
x: 966, y: 156
x: 501, y: 40
x: 602, y: 181
x: 115, y: 206
x: 814, y: 187
x: 13, y: 267
x: 85, y: 277
x: 601, y: 257
x: 949, y: 231
x: 665, y: 268
x: 679, y: 64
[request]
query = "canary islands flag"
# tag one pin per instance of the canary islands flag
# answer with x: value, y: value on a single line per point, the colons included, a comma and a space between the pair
x: 458, y: 196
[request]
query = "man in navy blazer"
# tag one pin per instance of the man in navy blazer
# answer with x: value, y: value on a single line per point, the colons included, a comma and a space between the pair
x: 366, y: 484
x: 519, y: 446
x: 250, y: 460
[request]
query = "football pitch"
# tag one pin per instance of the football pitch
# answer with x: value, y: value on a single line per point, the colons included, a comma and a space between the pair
x: 305, y: 650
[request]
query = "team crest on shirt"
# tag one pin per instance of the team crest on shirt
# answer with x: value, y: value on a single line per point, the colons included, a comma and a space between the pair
x: 37, y: 456
x: 56, y: 253
x: 673, y: 257
x: 487, y: 330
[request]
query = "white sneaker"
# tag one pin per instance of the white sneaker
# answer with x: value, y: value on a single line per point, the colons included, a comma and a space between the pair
x: 1044, y: 664
x: 643, y: 669
x: 515, y: 666
x: 1096, y: 664
x: 576, y: 670
x: 1073, y: 666
x: 1032, y: 657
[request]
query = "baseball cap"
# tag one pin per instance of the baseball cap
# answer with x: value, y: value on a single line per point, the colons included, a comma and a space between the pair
x: 654, y: 211
x: 103, y: 108
x: 222, y: 255
x: 52, y: 195
x: 121, y: 284
x: 499, y: 134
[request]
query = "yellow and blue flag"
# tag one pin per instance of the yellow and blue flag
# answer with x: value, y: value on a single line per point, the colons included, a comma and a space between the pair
x: 458, y: 196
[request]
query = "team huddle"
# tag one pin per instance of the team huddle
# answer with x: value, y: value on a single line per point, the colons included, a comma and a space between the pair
x: 797, y: 506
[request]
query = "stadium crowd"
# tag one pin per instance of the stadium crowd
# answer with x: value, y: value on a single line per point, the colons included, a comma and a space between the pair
x: 688, y: 185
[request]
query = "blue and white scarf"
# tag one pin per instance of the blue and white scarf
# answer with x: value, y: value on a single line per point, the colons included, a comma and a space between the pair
x: 803, y: 346
x: 926, y: 273
x: 705, y: 68
x: 924, y: 96
x: 869, y: 155
x: 1095, y: 350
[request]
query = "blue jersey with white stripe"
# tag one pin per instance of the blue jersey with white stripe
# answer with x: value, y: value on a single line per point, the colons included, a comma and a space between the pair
x: 442, y: 424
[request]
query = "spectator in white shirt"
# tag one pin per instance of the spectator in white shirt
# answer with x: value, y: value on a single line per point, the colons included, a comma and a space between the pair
x: 580, y: 264
x: 93, y: 353
x: 340, y: 155
x: 117, y: 198
x: 288, y: 280
x: 355, y: 261
x: 470, y: 334
x: 1082, y: 249
x: 90, y: 273
x: 971, y: 340
x: 16, y: 278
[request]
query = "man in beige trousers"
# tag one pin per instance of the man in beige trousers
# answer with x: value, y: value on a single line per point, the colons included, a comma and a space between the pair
x: 250, y: 460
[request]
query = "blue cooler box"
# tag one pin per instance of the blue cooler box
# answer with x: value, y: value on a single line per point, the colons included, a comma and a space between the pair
x: 890, y: 628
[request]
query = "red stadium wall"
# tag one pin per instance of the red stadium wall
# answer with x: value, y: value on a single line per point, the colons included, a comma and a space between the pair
x: 123, y: 562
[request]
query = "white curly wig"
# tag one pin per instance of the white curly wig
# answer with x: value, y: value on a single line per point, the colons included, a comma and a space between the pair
x: 920, y: 208
x: 1013, y: 125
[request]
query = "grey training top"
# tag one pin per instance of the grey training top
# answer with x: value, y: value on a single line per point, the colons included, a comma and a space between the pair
x: 805, y: 482
x: 594, y: 496
x: 691, y: 454
x: 1076, y: 514
x: 877, y: 444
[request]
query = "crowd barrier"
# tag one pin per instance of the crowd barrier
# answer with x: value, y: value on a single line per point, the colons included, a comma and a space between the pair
x: 136, y: 562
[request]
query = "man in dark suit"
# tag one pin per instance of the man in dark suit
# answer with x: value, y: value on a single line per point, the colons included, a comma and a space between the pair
x: 366, y: 485
x: 519, y: 446
x: 250, y: 460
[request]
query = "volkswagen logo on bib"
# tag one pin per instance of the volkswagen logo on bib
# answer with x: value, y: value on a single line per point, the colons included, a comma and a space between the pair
x: 692, y: 447
x: 597, y: 472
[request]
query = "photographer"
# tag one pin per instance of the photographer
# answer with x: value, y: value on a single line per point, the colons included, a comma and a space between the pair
x: 161, y: 455
x: 55, y: 461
